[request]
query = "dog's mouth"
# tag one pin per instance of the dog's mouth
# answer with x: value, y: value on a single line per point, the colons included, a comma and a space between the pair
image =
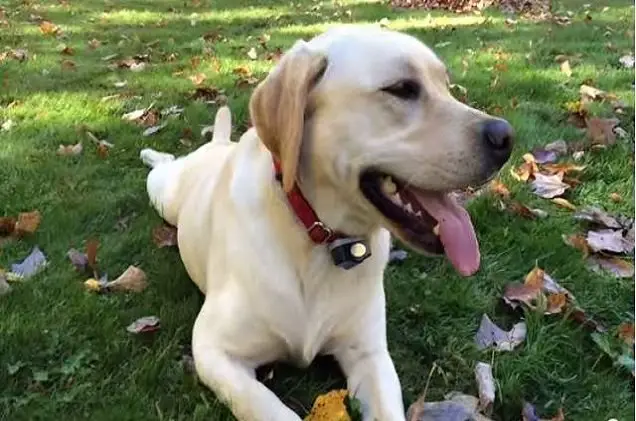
x: 428, y: 221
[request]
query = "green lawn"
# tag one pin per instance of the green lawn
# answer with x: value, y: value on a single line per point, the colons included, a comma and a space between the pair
x: 96, y: 370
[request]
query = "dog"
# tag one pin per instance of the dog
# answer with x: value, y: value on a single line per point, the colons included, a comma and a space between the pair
x: 287, y: 232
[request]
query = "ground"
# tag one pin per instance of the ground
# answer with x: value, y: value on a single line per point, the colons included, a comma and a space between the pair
x: 76, y: 360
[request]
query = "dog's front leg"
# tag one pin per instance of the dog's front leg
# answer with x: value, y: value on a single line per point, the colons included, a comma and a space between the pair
x: 233, y: 381
x: 371, y: 378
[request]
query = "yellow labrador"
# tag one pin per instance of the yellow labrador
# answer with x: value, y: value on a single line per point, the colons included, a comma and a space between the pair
x: 364, y: 132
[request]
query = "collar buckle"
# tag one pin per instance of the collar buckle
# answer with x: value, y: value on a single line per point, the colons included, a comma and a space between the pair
x: 319, y: 232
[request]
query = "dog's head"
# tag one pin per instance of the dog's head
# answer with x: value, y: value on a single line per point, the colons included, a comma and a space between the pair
x: 369, y: 112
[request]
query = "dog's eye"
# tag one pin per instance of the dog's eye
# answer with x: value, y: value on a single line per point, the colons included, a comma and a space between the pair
x: 404, y: 89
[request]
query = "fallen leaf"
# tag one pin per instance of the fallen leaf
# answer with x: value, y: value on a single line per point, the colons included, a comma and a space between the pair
x: 198, y: 78
x: 578, y: 242
x: 144, y: 324
x: 529, y: 413
x: 70, y: 150
x: 618, y: 267
x: 544, y: 156
x: 149, y: 119
x: 94, y: 43
x: 608, y: 240
x: 49, y: 28
x: 28, y: 222
x: 559, y: 201
x: 137, y: 67
x: 153, y: 129
x: 580, y: 316
x: 566, y: 69
x: 556, y: 303
x: 78, y: 259
x: 526, y: 212
x: 397, y: 256
x: 65, y: 50
x: 526, y: 170
x: 31, y: 265
x: 330, y: 406
x: 591, y: 93
x: 500, y: 189
x: 456, y: 407
x: 599, y: 217
x: 7, y: 226
x: 135, y: 115
x: 95, y: 285
x: 627, y: 61
x: 516, y: 293
x: 164, y: 236
x: 91, y: 255
x: 626, y: 333
x: 252, y: 54
x: 562, y: 168
x: 485, y: 386
x: 206, y: 94
x: 68, y: 65
x: 120, y: 84
x: 548, y: 186
x: 133, y: 279
x: 601, y: 130
x: 490, y: 334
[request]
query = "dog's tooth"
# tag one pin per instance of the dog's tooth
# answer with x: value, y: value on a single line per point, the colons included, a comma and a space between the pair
x: 388, y: 186
x: 409, y: 208
x: 418, y: 214
x: 397, y: 199
x: 436, y: 230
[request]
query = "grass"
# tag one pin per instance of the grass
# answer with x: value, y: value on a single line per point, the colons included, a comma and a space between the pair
x: 76, y: 359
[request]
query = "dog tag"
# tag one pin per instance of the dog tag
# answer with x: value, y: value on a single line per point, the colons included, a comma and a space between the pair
x: 349, y: 252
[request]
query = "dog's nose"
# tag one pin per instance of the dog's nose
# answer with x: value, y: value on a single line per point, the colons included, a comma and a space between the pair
x: 498, y: 137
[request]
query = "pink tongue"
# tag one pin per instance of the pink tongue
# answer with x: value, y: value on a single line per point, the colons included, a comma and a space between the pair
x: 456, y: 231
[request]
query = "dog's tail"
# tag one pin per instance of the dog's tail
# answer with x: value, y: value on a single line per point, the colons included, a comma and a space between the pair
x: 222, y: 125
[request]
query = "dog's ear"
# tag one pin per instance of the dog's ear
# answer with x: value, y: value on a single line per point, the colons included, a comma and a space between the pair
x: 279, y: 102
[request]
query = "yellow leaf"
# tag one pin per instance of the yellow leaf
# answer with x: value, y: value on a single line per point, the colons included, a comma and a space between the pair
x: 566, y: 69
x: 559, y: 201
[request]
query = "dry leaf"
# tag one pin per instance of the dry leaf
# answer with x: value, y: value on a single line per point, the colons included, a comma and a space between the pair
x: 559, y: 201
x: 563, y: 168
x: 599, y: 217
x: 78, y: 259
x: 70, y: 150
x: 618, y: 267
x: 154, y: 129
x: 578, y: 242
x: 330, y: 407
x: 68, y: 65
x: 556, y: 302
x: 94, y: 44
x: 252, y: 54
x: 516, y: 293
x: 66, y: 50
x: 456, y: 407
x: 144, y: 324
x: 609, y: 240
x: 525, y: 170
x: 566, y: 69
x: 49, y: 28
x: 7, y: 226
x: 31, y: 265
x: 548, y: 186
x: 626, y: 333
x: 601, y: 130
x: 133, y: 279
x: 164, y: 236
x: 28, y: 222
x: 500, y: 189
x: 490, y: 334
x: 91, y: 255
x: 198, y: 79
x: 485, y: 386
x: 591, y: 93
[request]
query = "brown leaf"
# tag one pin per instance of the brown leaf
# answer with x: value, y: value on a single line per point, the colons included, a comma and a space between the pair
x: 599, y: 217
x: 562, y: 168
x: 149, y: 118
x: 580, y: 316
x: 566, y: 69
x: 485, y: 386
x: 556, y: 302
x: 66, y: 50
x: 609, y: 240
x: 516, y: 293
x: 601, y: 130
x: 591, y: 93
x: 500, y: 189
x: 164, y: 236
x: 561, y: 202
x: 133, y: 279
x: 7, y: 226
x: 626, y: 333
x: 578, y: 242
x: 489, y: 334
x: 578, y: 113
x: 618, y: 267
x: 49, y: 28
x: 28, y: 222
x: 198, y: 78
x: 91, y: 254
x: 144, y: 324
x: 526, y: 170
x: 205, y: 93
x: 68, y: 65
x: 70, y: 150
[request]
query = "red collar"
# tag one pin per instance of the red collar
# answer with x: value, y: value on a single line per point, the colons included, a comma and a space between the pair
x: 317, y: 231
